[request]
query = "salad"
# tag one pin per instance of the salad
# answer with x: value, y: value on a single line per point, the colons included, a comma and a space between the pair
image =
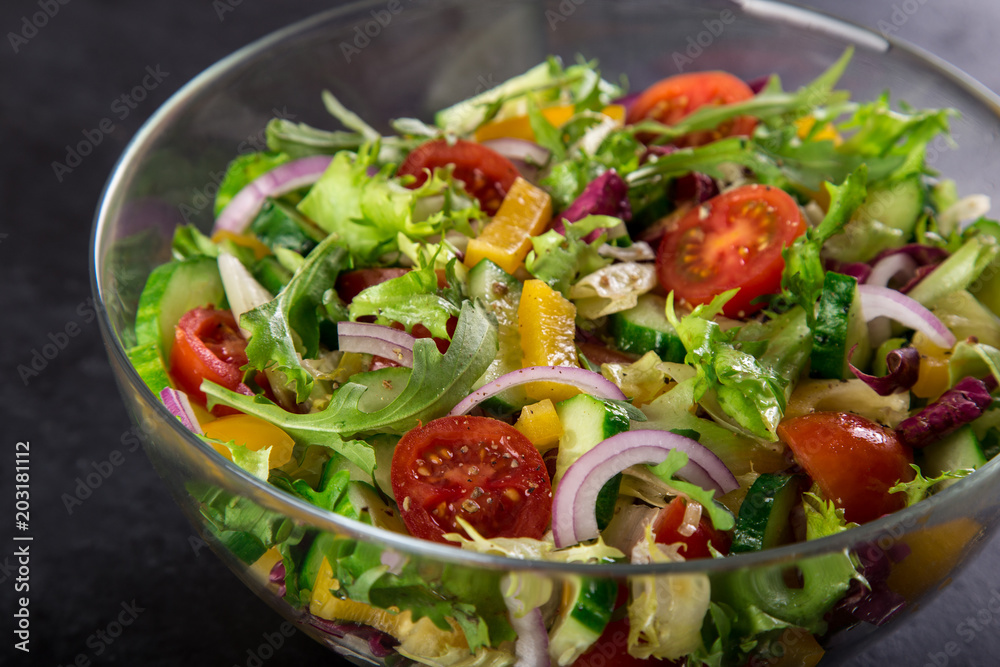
x: 569, y: 323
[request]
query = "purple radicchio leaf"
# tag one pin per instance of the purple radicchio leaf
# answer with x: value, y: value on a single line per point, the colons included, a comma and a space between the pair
x: 277, y: 576
x: 605, y: 195
x: 379, y: 643
x: 903, y: 365
x: 758, y: 84
x: 858, y: 270
x: 961, y: 404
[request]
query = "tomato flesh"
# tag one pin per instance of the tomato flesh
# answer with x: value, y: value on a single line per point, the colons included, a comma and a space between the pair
x: 672, y: 99
x: 853, y: 460
x: 208, y: 345
x: 666, y: 530
x: 733, y: 240
x: 480, y: 469
x: 487, y: 175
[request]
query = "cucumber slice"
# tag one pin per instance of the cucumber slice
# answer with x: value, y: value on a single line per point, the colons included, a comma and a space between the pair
x: 467, y: 115
x: 501, y: 292
x: 840, y: 328
x: 763, y: 520
x: 172, y: 290
x: 587, y: 421
x: 645, y: 327
x: 960, y: 450
x: 270, y: 273
x: 897, y: 204
x: 148, y: 363
x: 586, y: 611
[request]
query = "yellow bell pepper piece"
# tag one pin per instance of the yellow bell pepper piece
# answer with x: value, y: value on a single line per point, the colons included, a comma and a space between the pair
x: 540, y: 423
x: 546, y: 323
x: 253, y: 433
x: 519, y: 127
x: 421, y: 638
x: 933, y: 376
x: 259, y: 249
x: 804, y: 125
x: 506, y: 239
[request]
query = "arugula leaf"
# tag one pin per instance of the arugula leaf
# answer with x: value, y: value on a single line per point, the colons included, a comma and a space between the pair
x: 559, y: 259
x: 242, y: 170
x: 802, y: 278
x: 189, y: 242
x: 771, y: 105
x: 920, y: 487
x: 294, y: 315
x: 436, y: 383
x: 409, y: 299
x: 722, y: 519
x: 348, y: 118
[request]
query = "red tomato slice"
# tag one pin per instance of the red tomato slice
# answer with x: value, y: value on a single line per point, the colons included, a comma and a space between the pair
x: 671, y: 99
x: 611, y: 650
x: 853, y: 460
x: 733, y: 240
x: 480, y: 469
x: 351, y: 283
x: 208, y: 346
x: 669, y: 520
x: 487, y: 175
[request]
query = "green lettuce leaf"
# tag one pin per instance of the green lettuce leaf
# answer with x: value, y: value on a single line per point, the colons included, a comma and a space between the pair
x: 289, y: 324
x: 410, y: 299
x: 722, y: 519
x: 436, y: 383
x: 559, y: 260
x: 802, y: 279
x: 752, y: 394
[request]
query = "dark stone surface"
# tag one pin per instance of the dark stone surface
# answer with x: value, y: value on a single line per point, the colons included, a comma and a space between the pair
x: 127, y: 544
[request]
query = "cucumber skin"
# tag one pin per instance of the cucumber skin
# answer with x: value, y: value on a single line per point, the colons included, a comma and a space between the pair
x: 957, y: 451
x: 172, y: 290
x: 771, y: 495
x: 634, y: 332
x: 839, y: 328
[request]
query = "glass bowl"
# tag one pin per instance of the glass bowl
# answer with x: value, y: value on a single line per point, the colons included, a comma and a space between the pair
x: 390, y: 59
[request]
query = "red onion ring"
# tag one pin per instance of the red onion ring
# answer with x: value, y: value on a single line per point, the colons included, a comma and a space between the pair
x: 593, y: 383
x: 376, y: 339
x: 573, y: 505
x: 885, y: 302
x: 285, y: 178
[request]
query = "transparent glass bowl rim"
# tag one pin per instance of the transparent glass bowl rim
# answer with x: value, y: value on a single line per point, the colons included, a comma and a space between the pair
x: 239, y: 481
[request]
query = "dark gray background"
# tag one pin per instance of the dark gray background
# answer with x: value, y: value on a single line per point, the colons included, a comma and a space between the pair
x: 128, y: 542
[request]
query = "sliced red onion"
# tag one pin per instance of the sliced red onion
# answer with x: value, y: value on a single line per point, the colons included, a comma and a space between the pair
x: 592, y: 383
x: 521, y: 150
x: 573, y: 505
x: 885, y: 302
x: 285, y: 178
x: 376, y: 339
x: 532, y: 645
x: 179, y: 406
x: 886, y: 268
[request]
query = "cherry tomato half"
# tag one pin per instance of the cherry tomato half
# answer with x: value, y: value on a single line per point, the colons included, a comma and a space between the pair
x: 671, y: 99
x: 853, y: 460
x: 487, y: 175
x: 733, y: 240
x: 669, y: 520
x: 480, y: 469
x: 208, y: 346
